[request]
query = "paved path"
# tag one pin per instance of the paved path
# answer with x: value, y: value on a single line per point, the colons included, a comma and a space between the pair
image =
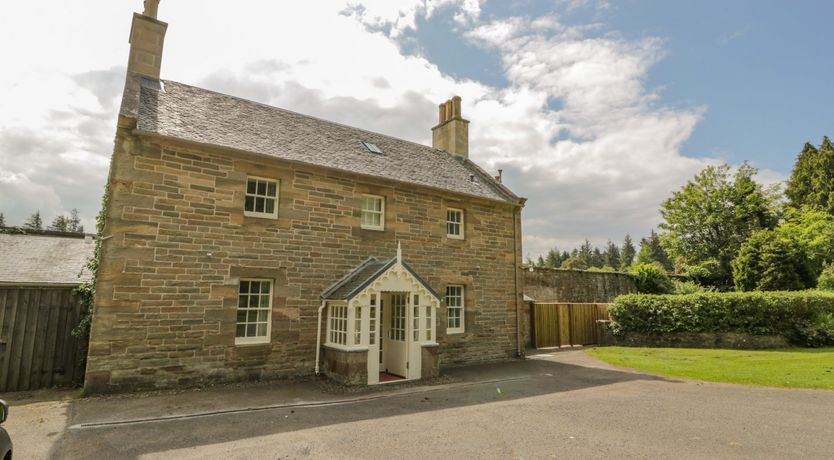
x: 557, y: 405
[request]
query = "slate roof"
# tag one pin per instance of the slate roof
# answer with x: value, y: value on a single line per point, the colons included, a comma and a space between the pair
x: 363, y: 275
x: 43, y: 260
x: 185, y: 112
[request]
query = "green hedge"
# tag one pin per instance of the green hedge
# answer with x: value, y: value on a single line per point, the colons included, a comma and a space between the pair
x: 805, y: 318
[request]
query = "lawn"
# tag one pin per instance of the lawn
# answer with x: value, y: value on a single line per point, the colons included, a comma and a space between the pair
x: 791, y: 368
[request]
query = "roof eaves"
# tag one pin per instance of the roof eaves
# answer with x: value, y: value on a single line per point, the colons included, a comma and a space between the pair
x: 338, y: 284
x: 350, y: 295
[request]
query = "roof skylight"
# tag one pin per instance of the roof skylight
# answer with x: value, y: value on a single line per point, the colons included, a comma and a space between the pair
x: 372, y: 147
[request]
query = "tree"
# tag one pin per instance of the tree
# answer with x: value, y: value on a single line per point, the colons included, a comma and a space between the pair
x: 652, y: 252
x: 812, y: 179
x: 541, y: 262
x: 772, y: 261
x: 612, y: 256
x: 714, y: 213
x: 74, y: 222
x: 585, y: 253
x: 2, y: 220
x: 826, y: 279
x: 574, y: 263
x: 651, y: 278
x: 34, y: 222
x: 553, y: 259
x: 597, y: 259
x: 59, y: 224
x: 628, y: 253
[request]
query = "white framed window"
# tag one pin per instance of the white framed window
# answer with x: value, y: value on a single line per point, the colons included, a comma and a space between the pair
x: 428, y: 323
x: 254, y: 311
x: 338, y: 324
x: 454, y: 309
x: 454, y: 223
x: 261, y: 197
x: 373, y: 212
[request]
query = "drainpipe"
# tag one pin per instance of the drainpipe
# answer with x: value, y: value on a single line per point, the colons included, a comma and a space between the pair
x: 518, y: 340
x: 318, y: 336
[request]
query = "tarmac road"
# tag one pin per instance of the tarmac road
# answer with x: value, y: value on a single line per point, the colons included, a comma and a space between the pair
x: 557, y: 405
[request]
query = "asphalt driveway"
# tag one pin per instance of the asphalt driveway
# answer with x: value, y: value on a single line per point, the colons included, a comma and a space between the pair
x: 557, y: 405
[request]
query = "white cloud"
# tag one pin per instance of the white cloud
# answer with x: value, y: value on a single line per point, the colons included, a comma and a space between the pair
x: 577, y: 130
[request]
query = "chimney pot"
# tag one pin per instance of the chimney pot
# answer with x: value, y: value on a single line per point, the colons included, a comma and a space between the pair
x: 151, y: 8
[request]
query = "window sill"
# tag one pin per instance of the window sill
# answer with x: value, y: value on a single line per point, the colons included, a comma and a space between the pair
x: 375, y: 229
x: 250, y: 342
x: 455, y: 237
x: 454, y: 331
x: 260, y: 215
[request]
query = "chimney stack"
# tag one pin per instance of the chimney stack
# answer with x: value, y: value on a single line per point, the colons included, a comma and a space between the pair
x: 147, y: 36
x: 452, y: 132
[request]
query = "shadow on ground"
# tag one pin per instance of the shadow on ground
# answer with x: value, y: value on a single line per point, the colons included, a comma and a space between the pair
x: 506, y: 381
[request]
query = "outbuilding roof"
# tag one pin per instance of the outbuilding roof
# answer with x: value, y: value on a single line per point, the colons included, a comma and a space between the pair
x: 44, y: 259
x: 179, y: 111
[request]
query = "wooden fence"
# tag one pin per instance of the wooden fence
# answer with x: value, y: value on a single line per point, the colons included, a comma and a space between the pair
x: 560, y: 324
x: 37, y: 349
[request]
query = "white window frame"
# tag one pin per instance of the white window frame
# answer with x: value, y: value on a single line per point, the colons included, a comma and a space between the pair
x: 381, y: 212
x: 338, y: 317
x: 453, y: 236
x: 258, y: 339
x: 462, y: 307
x: 246, y: 194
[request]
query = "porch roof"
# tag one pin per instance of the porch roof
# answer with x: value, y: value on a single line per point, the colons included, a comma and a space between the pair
x: 363, y: 275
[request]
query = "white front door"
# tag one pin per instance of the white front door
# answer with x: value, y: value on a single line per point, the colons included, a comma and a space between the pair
x: 396, y: 341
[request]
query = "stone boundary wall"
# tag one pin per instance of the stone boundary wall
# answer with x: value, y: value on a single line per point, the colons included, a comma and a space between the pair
x: 555, y: 285
x: 726, y: 340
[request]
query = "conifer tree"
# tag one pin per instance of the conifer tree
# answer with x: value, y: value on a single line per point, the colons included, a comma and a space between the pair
x: 628, y: 253
x: 812, y: 179
x: 34, y: 222
x: 612, y: 255
x: 2, y: 220
x: 74, y: 222
x: 59, y: 224
x: 652, y: 252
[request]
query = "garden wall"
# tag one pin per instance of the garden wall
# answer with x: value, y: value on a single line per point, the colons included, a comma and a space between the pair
x: 553, y: 285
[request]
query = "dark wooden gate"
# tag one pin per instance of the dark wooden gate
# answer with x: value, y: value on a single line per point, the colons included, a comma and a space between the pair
x: 37, y: 349
x: 561, y: 324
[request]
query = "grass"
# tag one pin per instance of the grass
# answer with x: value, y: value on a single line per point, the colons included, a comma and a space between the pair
x: 789, y: 368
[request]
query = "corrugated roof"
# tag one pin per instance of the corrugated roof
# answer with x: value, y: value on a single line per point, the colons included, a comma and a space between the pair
x: 44, y: 260
x: 198, y: 115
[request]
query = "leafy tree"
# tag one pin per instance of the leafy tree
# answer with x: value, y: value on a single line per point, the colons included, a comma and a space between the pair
x: 772, y: 261
x: 34, y: 222
x: 812, y: 179
x: 651, y: 278
x: 628, y: 253
x: 574, y: 263
x: 814, y: 230
x: 651, y: 251
x: 612, y: 256
x: 826, y: 279
x: 74, y: 222
x: 2, y: 220
x: 714, y: 213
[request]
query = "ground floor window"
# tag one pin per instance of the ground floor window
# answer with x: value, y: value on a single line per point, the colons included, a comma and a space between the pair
x: 254, y: 311
x: 454, y: 309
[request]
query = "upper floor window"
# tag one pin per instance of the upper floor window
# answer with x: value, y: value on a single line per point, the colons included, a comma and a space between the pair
x: 261, y: 197
x: 373, y: 212
x: 454, y: 309
x: 454, y: 223
x: 254, y: 311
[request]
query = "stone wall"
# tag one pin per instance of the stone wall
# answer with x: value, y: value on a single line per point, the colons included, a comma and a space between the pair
x: 177, y: 243
x: 559, y: 285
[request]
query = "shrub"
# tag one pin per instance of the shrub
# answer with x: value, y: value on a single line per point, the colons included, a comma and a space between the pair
x: 771, y: 261
x: 689, y: 287
x: 651, y: 279
x: 574, y: 263
x: 805, y: 318
x: 826, y: 280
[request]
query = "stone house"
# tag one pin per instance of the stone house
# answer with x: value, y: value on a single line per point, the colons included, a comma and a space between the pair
x: 244, y: 241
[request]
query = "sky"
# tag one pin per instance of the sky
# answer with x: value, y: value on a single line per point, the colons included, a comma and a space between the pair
x: 595, y: 110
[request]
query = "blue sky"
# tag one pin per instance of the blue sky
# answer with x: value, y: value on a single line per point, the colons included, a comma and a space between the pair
x: 596, y: 110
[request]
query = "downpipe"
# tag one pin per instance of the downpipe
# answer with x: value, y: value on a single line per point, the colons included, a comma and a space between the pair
x: 318, y: 336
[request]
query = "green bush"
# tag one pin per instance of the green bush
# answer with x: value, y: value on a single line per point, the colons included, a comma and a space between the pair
x: 771, y: 261
x: 651, y: 279
x: 689, y: 287
x: 826, y: 280
x: 805, y: 318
